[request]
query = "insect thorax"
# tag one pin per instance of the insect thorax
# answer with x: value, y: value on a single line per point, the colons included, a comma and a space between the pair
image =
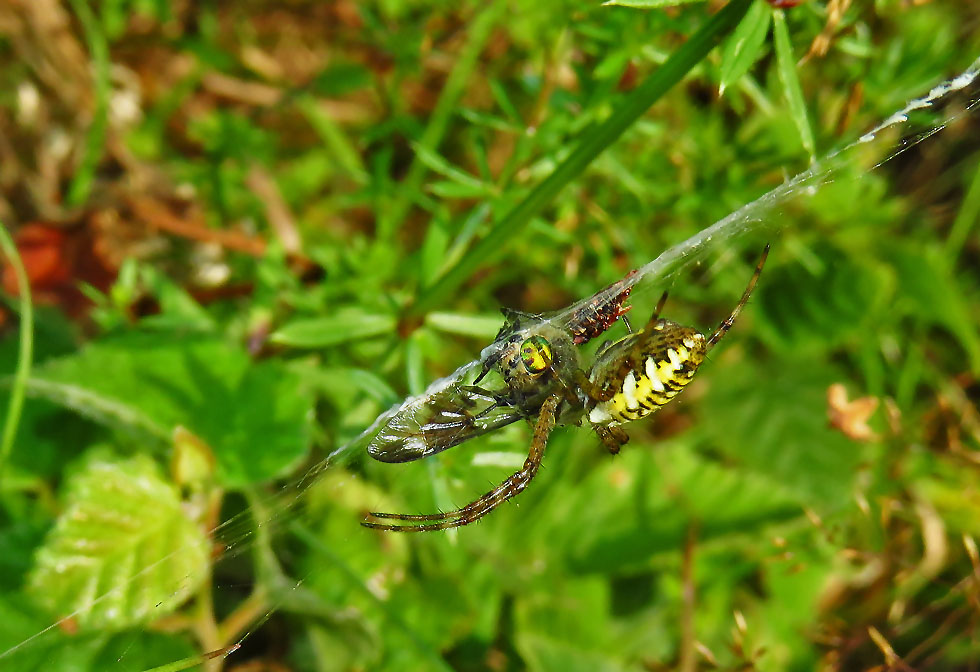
x: 646, y: 369
x: 521, y: 369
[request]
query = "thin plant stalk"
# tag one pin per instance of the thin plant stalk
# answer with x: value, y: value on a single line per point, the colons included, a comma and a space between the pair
x: 25, y: 349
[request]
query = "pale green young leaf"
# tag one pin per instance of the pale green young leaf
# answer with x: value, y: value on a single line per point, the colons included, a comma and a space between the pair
x: 103, y: 562
x: 321, y: 332
x: 480, y: 326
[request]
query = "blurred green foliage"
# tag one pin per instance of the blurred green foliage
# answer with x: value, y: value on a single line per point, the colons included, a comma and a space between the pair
x: 328, y: 166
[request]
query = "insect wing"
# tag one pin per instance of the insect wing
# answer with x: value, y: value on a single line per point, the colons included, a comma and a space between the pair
x: 434, y: 422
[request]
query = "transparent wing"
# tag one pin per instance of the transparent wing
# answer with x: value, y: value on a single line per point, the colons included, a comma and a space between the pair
x: 433, y: 422
x: 452, y: 410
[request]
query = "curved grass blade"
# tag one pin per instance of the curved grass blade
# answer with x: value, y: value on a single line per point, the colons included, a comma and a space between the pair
x: 81, y: 185
x: 186, y: 663
x: 24, y: 352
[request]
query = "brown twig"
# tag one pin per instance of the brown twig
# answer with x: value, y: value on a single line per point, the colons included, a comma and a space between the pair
x: 277, y: 211
x: 160, y: 218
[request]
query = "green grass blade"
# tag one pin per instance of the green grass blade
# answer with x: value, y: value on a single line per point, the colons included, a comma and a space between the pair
x: 334, y: 139
x: 187, y: 663
x: 597, y: 140
x: 447, y: 105
x: 25, y: 349
x: 322, y: 332
x: 786, y: 64
x: 81, y: 185
x: 743, y: 48
x: 966, y: 219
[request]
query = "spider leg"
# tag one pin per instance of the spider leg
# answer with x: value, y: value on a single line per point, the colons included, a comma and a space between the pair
x: 629, y: 363
x: 656, y: 311
x: 472, y: 512
x: 730, y: 320
x: 605, y: 345
x: 612, y: 437
x: 593, y: 391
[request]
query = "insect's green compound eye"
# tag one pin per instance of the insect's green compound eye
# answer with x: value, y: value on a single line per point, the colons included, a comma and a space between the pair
x: 536, y: 355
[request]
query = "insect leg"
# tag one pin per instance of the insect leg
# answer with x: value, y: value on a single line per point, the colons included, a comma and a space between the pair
x: 481, y: 507
x: 593, y: 391
x: 730, y: 320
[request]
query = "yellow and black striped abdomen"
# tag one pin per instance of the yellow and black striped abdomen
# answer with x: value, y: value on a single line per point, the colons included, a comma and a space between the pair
x: 647, y: 370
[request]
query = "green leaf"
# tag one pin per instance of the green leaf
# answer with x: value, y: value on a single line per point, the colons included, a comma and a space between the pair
x: 250, y: 414
x: 926, y: 280
x: 441, y: 166
x: 478, y: 118
x: 106, y: 409
x: 334, y: 138
x: 545, y: 653
x: 480, y: 326
x: 786, y: 64
x: 773, y: 422
x: 648, y: 4
x: 433, y: 252
x: 321, y: 332
x: 805, y: 309
x: 48, y: 435
x: 178, y: 309
x: 338, y: 79
x: 967, y: 218
x: 29, y: 644
x: 122, y: 552
x: 743, y: 47
x: 143, y: 650
x: 338, y: 383
x: 447, y: 189
x: 654, y: 500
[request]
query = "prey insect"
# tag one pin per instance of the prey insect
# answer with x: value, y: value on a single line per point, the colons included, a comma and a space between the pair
x: 459, y: 409
x: 545, y: 383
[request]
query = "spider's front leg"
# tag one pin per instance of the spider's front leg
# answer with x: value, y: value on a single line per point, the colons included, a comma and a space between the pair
x: 481, y: 507
x: 592, y: 390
